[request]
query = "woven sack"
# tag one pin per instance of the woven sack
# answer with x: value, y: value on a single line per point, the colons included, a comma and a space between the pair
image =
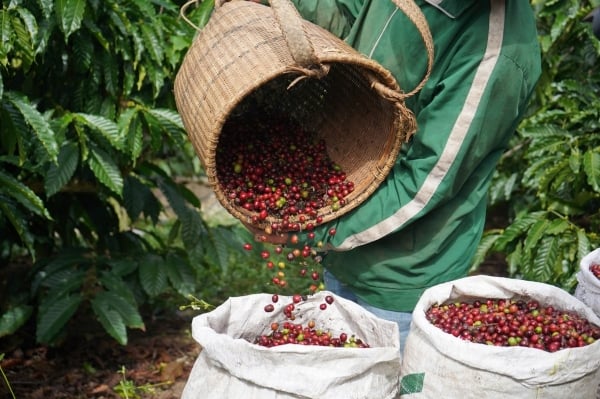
x: 436, y: 364
x: 230, y: 366
x: 249, y: 53
x: 588, y: 286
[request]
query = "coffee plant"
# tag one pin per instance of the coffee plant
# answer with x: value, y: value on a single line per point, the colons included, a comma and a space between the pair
x: 548, y: 182
x: 92, y: 153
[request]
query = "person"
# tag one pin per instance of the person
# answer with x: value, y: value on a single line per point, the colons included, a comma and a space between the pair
x: 423, y: 224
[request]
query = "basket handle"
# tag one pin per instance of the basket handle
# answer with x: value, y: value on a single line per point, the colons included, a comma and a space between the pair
x: 414, y: 13
x: 290, y: 23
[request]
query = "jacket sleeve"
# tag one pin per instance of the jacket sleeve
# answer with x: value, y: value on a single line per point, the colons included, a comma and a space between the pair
x: 465, y: 121
x: 337, y: 16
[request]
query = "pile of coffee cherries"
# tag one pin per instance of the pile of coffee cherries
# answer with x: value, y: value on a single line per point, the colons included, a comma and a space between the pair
x: 514, y: 322
x: 272, y: 167
x: 288, y: 332
x: 595, y: 269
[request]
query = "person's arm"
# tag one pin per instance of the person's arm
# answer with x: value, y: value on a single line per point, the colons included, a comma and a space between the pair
x: 461, y: 133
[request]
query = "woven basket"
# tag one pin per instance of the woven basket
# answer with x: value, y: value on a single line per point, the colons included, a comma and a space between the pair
x: 252, y: 52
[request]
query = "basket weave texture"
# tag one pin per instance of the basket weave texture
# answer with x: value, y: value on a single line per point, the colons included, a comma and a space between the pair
x: 244, y: 55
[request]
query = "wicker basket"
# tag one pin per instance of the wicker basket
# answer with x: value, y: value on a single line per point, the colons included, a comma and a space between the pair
x: 251, y: 52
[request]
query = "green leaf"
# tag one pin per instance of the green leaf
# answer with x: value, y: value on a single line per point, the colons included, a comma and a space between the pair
x: 591, y: 166
x: 110, y: 70
x: 485, y: 245
x: 60, y: 173
x: 180, y: 274
x: 107, y: 128
x: 69, y: 14
x: 106, y: 170
x: 5, y: 34
x: 30, y: 23
x: 46, y: 6
x: 23, y: 195
x: 14, y: 318
x: 518, y: 228
x: 136, y: 197
x: 131, y: 128
x: 583, y: 244
x: 153, y: 277
x: 535, y: 232
x: 53, y: 315
x: 169, y: 119
x: 545, y: 259
x: 36, y: 121
x: 122, y: 305
x: 152, y: 42
x: 111, y: 320
x: 23, y: 43
x: 412, y: 383
x: 19, y: 223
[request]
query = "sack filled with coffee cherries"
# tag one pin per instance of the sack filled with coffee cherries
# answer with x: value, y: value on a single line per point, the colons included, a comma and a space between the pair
x: 494, y: 337
x: 588, y: 281
x: 318, y: 346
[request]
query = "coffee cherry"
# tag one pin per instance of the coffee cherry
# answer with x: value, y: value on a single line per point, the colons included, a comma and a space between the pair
x: 269, y: 308
x: 270, y: 166
x: 595, y: 269
x: 290, y: 333
x: 513, y: 322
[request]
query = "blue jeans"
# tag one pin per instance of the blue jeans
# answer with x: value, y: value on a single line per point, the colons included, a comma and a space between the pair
x: 403, y: 319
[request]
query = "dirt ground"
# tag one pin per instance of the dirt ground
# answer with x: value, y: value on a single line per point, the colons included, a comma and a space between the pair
x: 154, y: 364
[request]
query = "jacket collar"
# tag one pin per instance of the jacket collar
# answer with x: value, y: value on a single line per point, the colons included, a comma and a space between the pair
x: 452, y: 8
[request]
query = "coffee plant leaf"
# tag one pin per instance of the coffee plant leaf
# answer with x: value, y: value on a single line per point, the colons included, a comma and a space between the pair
x: 152, y: 275
x: 37, y: 122
x: 46, y: 7
x: 113, y: 281
x: 110, y: 319
x: 180, y: 273
x: 152, y: 36
x: 591, y: 166
x: 130, y: 127
x: 545, y: 260
x: 5, y: 35
x: 30, y: 24
x: 535, y: 233
x: 169, y: 120
x: 63, y: 282
x: 69, y: 15
x: 18, y: 222
x: 126, y: 309
x: 53, y: 315
x: 60, y: 173
x: 23, y: 195
x: 487, y: 243
x: 23, y: 42
x: 584, y: 246
x: 107, y: 128
x: 106, y: 170
x: 135, y: 196
x: 518, y: 229
x: 14, y: 318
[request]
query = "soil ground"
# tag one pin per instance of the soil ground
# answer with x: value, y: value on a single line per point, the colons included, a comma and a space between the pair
x: 154, y: 364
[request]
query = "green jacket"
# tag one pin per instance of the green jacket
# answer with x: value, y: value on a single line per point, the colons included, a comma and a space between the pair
x: 423, y: 224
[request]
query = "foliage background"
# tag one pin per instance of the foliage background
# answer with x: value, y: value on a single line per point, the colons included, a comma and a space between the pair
x: 96, y: 210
